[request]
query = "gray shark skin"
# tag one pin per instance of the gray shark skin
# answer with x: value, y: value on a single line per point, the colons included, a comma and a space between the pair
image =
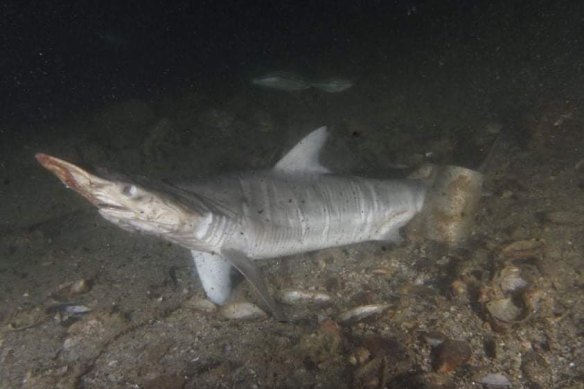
x: 232, y: 220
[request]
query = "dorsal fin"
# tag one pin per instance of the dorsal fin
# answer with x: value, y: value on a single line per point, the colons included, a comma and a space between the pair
x: 304, y: 156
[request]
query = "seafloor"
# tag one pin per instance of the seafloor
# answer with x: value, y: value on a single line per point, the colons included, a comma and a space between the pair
x: 505, y: 309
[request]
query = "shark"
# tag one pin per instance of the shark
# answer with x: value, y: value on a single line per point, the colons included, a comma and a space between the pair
x: 232, y: 220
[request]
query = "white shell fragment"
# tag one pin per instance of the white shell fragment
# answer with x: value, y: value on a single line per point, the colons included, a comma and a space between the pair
x: 300, y: 297
x: 510, y: 279
x: 361, y: 312
x: 496, y: 380
x: 242, y: 311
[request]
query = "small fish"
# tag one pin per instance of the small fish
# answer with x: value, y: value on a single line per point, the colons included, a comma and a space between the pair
x: 113, y: 39
x: 282, y: 81
x: 291, y: 82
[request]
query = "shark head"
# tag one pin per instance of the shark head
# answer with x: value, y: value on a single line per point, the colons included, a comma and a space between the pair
x: 135, y: 204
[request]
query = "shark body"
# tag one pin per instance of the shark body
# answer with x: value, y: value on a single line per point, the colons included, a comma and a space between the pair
x: 232, y: 220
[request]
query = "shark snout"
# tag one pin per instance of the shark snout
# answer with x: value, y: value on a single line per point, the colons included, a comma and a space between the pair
x: 73, y: 177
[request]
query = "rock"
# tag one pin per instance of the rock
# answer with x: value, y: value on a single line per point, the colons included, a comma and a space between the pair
x: 505, y: 310
x: 536, y: 370
x: 322, y: 348
x: 450, y: 355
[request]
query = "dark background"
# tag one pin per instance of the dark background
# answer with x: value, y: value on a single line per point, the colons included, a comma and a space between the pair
x: 64, y: 57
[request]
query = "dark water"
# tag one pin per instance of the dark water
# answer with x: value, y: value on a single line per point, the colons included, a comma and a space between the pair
x: 60, y: 58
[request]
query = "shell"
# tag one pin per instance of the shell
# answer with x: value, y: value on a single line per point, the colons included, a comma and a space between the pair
x: 434, y: 339
x: 300, y: 297
x: 361, y: 312
x: 242, y: 311
x: 510, y: 279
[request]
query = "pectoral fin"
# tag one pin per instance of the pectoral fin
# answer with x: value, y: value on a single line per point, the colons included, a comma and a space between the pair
x: 215, y: 275
x: 251, y: 272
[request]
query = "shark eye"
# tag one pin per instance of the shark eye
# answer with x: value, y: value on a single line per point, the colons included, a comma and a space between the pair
x: 129, y: 190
